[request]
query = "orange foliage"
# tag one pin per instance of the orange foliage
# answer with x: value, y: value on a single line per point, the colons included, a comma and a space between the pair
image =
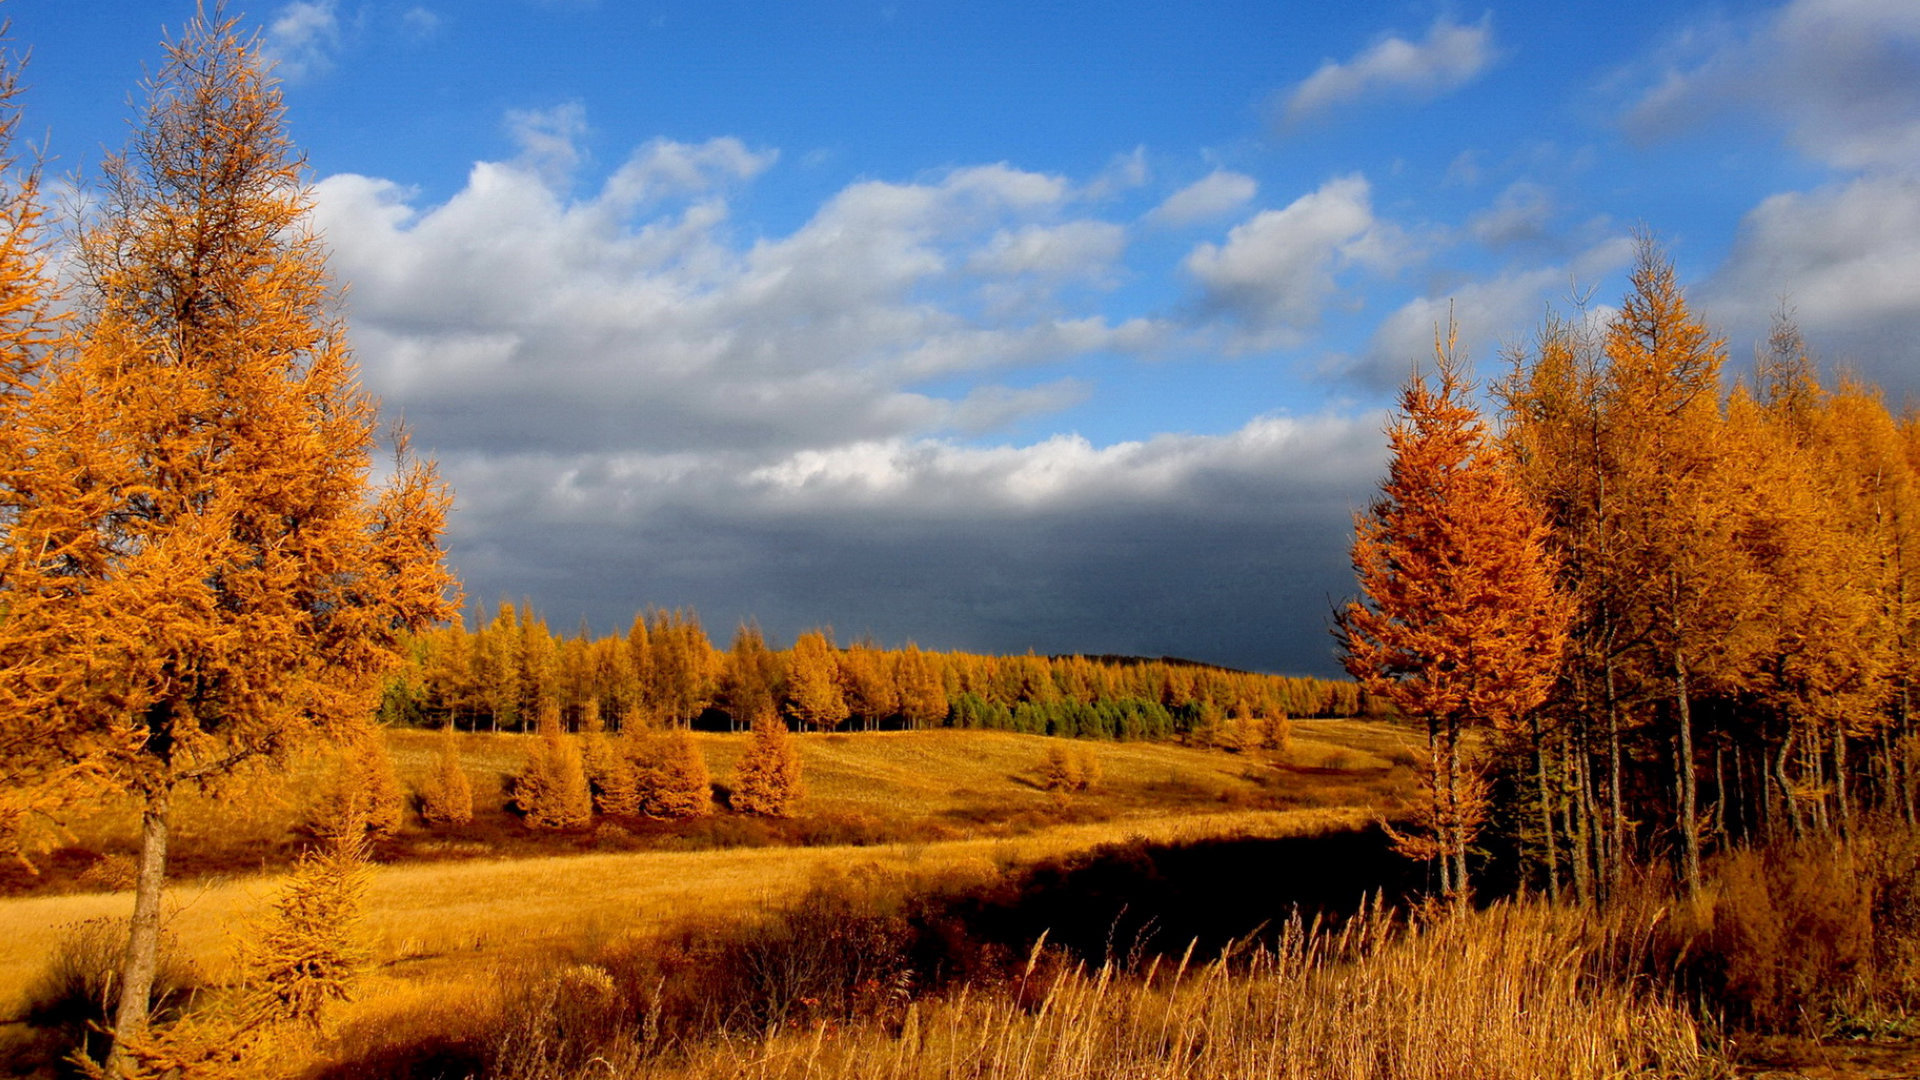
x: 1461, y: 623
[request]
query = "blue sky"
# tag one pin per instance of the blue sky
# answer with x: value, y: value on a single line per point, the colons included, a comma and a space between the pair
x: 1013, y: 325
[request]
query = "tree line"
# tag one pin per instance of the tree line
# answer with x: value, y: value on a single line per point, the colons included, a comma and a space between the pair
x: 1648, y: 611
x: 666, y: 672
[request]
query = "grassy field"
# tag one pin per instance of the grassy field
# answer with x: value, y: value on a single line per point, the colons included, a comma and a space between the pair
x: 957, y: 805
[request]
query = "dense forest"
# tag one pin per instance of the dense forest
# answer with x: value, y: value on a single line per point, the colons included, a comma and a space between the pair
x: 665, y: 671
x: 1654, y: 611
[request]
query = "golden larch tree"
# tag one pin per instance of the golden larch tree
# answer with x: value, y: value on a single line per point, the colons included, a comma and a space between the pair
x: 1459, y: 624
x: 814, y: 694
x: 197, y: 560
x: 36, y: 777
x: 766, y: 779
x: 446, y: 795
x: 1690, y: 611
x: 749, y: 676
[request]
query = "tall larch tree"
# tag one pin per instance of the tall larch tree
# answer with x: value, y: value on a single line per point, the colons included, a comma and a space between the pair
x: 196, y: 518
x: 1678, y: 511
x: 1459, y: 623
x: 814, y: 696
x: 923, y: 697
x: 749, y: 676
x: 36, y: 777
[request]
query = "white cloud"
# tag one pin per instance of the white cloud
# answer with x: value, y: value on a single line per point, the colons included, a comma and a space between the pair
x: 663, y: 168
x: 513, y: 316
x: 1843, y: 256
x: 1218, y: 193
x: 1061, y: 474
x: 1839, y: 75
x: 1487, y: 311
x: 1125, y: 172
x: 1450, y: 56
x: 421, y: 22
x: 1078, y: 249
x: 302, y: 38
x: 1276, y: 272
x: 1517, y: 218
x: 549, y: 139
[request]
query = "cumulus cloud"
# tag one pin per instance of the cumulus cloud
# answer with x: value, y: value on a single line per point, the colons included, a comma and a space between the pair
x: 1518, y: 218
x: 637, y: 406
x: 513, y: 315
x: 1843, y: 257
x: 302, y: 38
x: 1078, y: 249
x: 549, y: 139
x: 1450, y: 56
x: 664, y: 168
x: 1838, y: 74
x: 1182, y: 545
x: 1276, y: 271
x: 1487, y: 311
x: 1219, y: 193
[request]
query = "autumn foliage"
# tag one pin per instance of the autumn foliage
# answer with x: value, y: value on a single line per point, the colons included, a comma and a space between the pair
x: 1461, y: 625
x: 766, y: 779
x: 198, y: 571
x: 1735, y: 565
x: 446, y: 797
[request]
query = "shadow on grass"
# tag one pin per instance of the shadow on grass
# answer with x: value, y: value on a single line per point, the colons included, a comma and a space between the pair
x: 1133, y: 900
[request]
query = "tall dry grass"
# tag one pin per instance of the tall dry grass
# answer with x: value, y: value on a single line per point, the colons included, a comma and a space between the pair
x: 1507, y: 993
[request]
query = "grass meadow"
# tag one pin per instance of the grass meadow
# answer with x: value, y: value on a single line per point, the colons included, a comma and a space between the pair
x: 933, y: 911
x: 452, y: 908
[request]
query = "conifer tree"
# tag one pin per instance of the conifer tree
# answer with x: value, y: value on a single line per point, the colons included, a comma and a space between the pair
x: 1690, y: 615
x: 195, y: 556
x: 362, y: 787
x: 923, y: 697
x: 446, y: 798
x: 1460, y: 624
x: 814, y: 694
x: 749, y: 676
x: 670, y: 776
x: 766, y: 779
x: 551, y: 789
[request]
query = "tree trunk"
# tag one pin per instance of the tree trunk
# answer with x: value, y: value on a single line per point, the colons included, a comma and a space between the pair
x: 142, y: 958
x: 1459, y: 814
x: 1546, y: 812
x: 1586, y: 838
x: 1689, y: 827
x: 1720, y: 793
x: 1842, y: 807
x: 1616, y: 816
x: 1788, y: 802
x: 1439, y: 801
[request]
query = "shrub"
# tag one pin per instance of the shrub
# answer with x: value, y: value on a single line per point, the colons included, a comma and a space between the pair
x: 1791, y: 930
x: 79, y: 990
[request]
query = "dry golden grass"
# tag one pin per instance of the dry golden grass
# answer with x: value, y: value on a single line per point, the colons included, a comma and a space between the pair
x: 1515, y: 993
x: 1497, y: 996
x: 430, y: 920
